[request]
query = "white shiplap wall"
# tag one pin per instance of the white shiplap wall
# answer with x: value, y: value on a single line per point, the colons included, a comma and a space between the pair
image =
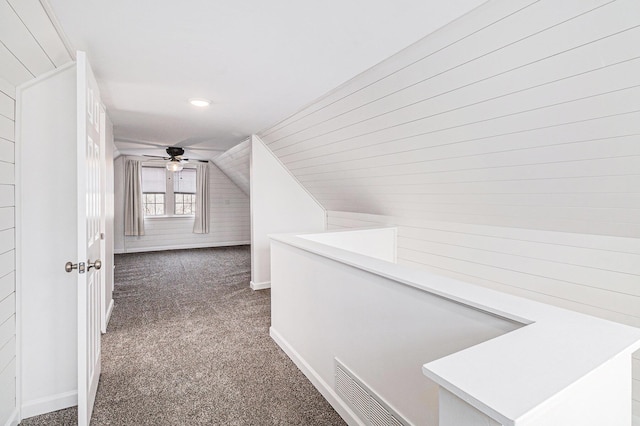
x: 505, y: 147
x: 29, y: 47
x: 235, y: 164
x: 230, y: 221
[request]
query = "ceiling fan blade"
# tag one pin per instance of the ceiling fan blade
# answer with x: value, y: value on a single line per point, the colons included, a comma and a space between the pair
x: 156, y: 156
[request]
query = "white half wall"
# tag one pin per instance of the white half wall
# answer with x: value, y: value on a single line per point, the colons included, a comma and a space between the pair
x: 505, y: 148
x: 279, y: 204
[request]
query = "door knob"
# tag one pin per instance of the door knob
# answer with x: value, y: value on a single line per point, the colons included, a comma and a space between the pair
x: 69, y: 266
x: 97, y: 264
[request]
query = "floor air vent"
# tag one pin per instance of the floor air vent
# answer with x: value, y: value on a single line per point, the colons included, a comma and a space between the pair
x: 368, y: 406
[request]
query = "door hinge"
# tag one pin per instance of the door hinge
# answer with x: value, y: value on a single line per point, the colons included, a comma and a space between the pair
x: 102, y: 235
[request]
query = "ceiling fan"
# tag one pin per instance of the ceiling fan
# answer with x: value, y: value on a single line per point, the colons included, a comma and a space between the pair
x: 176, y: 162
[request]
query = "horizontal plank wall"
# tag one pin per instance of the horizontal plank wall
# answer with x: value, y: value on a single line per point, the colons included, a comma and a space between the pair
x: 505, y: 146
x: 29, y: 47
x: 229, y: 209
x: 235, y: 164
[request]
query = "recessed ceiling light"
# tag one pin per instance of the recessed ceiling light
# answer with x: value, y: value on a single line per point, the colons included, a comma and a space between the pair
x: 199, y: 102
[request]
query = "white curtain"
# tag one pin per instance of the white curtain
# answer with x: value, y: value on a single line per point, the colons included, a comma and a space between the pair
x: 133, y: 213
x: 201, y: 225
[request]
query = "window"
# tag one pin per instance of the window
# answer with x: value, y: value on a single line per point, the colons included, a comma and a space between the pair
x: 167, y: 193
x: 184, y: 191
x: 154, y: 187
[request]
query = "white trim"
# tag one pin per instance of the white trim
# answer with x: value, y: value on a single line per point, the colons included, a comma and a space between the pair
x: 181, y: 247
x: 17, y: 201
x: 49, y: 404
x: 14, y: 419
x: 323, y: 387
x: 108, y: 315
x: 42, y: 77
x: 260, y: 286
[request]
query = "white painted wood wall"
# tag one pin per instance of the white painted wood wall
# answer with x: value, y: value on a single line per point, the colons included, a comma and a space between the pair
x: 235, y: 164
x: 29, y: 47
x: 229, y: 209
x: 505, y: 147
x: 278, y: 205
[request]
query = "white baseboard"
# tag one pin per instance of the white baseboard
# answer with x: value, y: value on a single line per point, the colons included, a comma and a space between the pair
x: 181, y: 247
x: 323, y: 387
x: 49, y: 404
x: 13, y: 419
x: 260, y: 286
x: 109, y: 312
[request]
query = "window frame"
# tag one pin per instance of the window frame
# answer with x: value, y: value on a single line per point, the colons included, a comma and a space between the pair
x: 169, y: 195
x: 144, y: 204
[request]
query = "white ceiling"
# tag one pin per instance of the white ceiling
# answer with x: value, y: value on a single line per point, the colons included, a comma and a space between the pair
x: 258, y: 61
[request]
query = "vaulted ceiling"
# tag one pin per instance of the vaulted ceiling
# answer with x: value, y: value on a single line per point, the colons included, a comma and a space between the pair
x: 257, y: 61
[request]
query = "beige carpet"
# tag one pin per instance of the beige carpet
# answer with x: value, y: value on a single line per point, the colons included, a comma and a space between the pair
x: 188, y: 344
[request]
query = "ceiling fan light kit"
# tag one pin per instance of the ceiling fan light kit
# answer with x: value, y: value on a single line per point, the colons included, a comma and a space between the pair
x: 174, y: 165
x: 176, y: 162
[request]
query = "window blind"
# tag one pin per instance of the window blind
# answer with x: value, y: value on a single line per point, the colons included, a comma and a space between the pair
x: 154, y: 179
x: 185, y: 181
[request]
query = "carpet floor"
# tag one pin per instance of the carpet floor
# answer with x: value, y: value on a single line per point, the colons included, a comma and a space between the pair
x: 188, y: 343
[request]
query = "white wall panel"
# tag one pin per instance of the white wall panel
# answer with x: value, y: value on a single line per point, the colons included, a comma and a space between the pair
x: 6, y: 128
x: 7, y: 151
x: 7, y: 353
x: 7, y: 173
x: 18, y: 39
x: 7, y: 284
x: 7, y: 307
x: 7, y: 105
x: 505, y: 147
x: 279, y: 204
x: 33, y: 15
x: 230, y: 220
x: 7, y: 240
x: 8, y: 391
x: 235, y: 164
x: 7, y: 262
x: 7, y: 217
x: 593, y: 274
x: 7, y: 330
x: 7, y: 88
x: 11, y: 69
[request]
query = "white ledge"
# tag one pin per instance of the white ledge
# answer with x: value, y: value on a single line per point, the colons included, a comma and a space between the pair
x: 512, y: 377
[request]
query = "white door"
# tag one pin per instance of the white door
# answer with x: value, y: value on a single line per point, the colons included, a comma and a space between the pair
x: 89, y: 236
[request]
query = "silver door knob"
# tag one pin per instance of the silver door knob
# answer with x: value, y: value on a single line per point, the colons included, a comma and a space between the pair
x: 70, y: 266
x: 97, y: 264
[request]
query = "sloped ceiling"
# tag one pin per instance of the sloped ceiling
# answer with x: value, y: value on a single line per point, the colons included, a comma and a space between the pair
x: 235, y: 164
x: 258, y: 61
x: 29, y: 43
x: 521, y: 115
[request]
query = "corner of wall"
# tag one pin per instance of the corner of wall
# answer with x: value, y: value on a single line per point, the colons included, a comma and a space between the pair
x: 279, y: 204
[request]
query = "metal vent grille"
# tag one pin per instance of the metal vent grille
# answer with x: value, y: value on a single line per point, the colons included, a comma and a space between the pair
x: 367, y: 405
